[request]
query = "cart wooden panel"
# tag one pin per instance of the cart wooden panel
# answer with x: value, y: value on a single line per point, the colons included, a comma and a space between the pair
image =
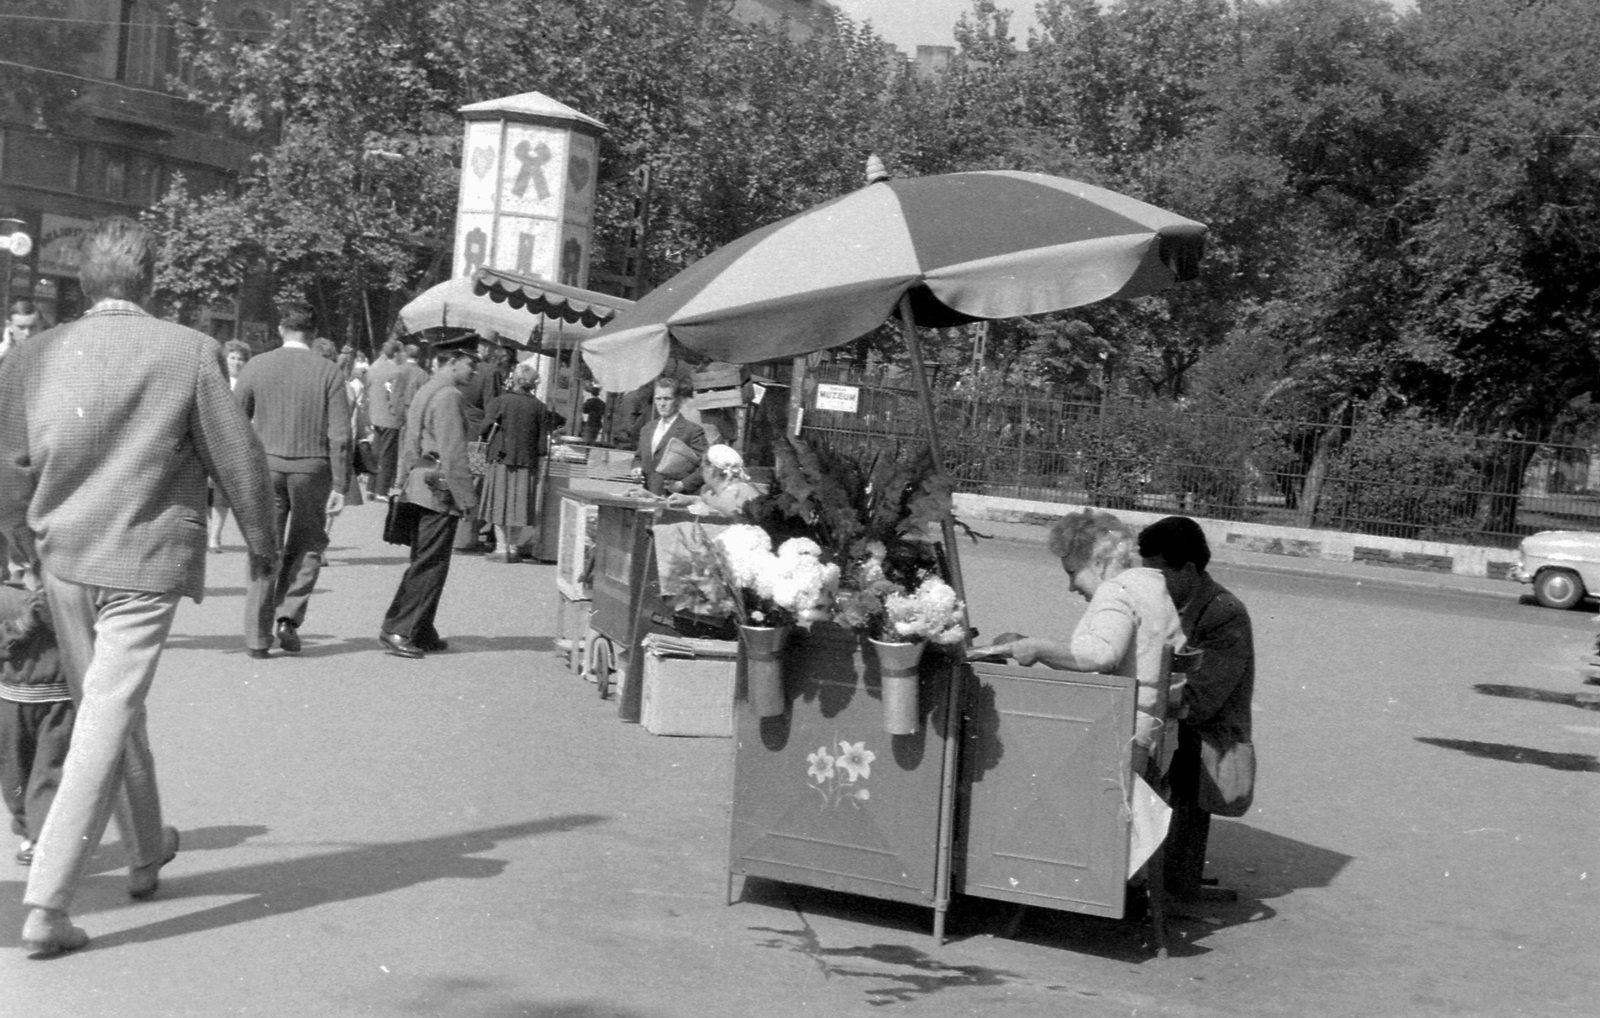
x: 810, y: 806
x: 1044, y: 779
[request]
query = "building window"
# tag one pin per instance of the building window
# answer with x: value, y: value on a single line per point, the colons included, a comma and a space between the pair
x: 144, y: 45
x: 34, y: 160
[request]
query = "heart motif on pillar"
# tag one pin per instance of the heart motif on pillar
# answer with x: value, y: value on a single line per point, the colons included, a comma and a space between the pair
x: 482, y: 160
x: 578, y: 169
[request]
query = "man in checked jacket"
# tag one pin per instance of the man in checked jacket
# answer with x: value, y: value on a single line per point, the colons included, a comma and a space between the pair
x: 109, y: 427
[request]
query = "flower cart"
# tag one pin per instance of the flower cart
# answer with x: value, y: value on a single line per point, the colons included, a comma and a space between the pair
x: 828, y: 789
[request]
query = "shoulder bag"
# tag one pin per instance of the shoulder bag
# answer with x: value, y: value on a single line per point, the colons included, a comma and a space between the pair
x: 1227, y: 776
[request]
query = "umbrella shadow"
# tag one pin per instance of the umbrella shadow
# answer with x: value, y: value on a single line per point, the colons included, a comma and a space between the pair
x: 1583, y: 702
x: 1519, y: 754
x: 358, y: 871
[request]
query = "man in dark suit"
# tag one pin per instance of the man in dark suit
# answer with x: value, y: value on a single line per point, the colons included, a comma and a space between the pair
x: 296, y: 400
x: 1216, y: 695
x: 109, y: 427
x: 435, y: 479
x: 670, y: 445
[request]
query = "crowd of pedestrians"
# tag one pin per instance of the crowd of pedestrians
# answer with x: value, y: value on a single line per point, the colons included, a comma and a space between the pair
x: 126, y: 442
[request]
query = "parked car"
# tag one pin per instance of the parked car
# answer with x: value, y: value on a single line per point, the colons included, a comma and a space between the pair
x: 1562, y: 565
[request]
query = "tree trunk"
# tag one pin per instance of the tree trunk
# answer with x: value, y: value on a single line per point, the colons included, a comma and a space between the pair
x: 1317, y: 472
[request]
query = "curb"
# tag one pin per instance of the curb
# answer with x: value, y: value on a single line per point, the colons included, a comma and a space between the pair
x: 1393, y: 559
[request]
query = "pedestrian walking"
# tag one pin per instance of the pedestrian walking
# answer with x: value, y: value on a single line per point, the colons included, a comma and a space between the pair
x: 109, y: 426
x: 385, y: 427
x: 1216, y: 695
x: 295, y: 399
x: 36, y: 713
x: 437, y: 486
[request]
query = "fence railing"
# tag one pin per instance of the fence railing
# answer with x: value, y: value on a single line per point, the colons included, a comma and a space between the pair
x: 1363, y: 473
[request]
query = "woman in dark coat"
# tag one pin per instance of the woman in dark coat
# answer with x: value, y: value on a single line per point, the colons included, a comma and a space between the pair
x: 518, y: 427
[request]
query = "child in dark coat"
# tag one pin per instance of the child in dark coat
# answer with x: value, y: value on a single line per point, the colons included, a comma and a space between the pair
x: 36, y: 712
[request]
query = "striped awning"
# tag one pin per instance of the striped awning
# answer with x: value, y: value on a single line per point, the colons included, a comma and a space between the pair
x: 570, y: 304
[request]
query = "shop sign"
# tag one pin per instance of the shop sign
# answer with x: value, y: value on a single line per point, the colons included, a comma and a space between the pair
x: 844, y: 398
x: 59, y: 237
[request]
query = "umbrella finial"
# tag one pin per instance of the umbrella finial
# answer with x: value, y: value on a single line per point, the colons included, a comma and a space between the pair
x: 875, y: 169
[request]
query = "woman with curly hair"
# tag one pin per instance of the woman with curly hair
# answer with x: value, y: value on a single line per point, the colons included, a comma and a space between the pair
x: 1129, y: 623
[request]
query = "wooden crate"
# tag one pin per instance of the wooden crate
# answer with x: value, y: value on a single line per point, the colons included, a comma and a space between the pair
x: 719, y: 387
x: 689, y: 695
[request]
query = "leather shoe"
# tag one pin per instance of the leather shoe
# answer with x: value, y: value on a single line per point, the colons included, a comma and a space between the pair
x: 396, y: 644
x: 430, y: 646
x: 288, y: 636
x: 47, y: 931
x: 259, y: 653
x: 144, y: 880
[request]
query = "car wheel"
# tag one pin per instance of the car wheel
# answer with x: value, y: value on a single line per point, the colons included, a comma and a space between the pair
x: 1558, y: 588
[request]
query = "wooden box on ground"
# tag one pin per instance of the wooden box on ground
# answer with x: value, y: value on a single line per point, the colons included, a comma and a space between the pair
x: 688, y: 685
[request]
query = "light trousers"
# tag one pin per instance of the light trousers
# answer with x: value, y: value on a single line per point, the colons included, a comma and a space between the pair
x: 110, y: 643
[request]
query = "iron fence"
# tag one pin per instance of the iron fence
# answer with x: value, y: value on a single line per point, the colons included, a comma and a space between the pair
x: 1364, y: 473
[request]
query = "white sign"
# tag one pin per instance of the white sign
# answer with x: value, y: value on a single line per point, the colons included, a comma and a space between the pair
x: 844, y: 398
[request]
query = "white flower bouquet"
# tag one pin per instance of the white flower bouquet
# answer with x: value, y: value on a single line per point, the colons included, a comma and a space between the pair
x: 930, y: 613
x: 791, y: 586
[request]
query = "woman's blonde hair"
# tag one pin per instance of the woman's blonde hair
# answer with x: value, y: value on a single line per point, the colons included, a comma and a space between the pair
x: 1091, y: 537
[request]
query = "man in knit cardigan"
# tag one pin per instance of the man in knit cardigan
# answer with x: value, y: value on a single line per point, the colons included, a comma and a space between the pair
x: 109, y: 427
x: 296, y: 399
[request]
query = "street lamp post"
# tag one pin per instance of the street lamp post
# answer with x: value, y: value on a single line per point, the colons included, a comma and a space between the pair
x: 14, y: 243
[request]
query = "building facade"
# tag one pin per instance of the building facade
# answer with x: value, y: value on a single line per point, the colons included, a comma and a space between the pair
x: 91, y: 125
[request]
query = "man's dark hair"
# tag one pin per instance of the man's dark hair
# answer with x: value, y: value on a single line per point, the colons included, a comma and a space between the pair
x: 681, y: 387
x: 23, y: 307
x: 119, y: 260
x: 391, y: 349
x: 1177, y: 540
x: 294, y: 316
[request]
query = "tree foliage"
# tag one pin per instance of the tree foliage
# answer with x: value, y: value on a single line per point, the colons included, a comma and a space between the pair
x: 1401, y: 201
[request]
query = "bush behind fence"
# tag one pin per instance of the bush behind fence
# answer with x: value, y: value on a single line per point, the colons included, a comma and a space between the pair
x: 1371, y: 473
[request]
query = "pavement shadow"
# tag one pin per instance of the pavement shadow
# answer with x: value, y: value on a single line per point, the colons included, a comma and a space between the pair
x: 1580, y: 701
x: 320, y: 645
x: 1259, y: 864
x: 890, y: 973
x: 469, y: 997
x: 397, y: 559
x: 360, y: 871
x: 1519, y: 754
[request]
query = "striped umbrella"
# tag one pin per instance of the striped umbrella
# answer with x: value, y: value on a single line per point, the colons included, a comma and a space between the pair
x: 959, y: 247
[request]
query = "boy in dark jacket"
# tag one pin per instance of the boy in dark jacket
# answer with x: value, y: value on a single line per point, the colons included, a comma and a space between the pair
x: 36, y: 712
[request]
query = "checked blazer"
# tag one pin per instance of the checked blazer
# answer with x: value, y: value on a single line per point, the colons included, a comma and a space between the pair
x: 109, y: 427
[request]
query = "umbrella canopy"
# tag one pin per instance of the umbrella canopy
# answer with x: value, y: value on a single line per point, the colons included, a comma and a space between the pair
x: 512, y: 305
x: 962, y: 246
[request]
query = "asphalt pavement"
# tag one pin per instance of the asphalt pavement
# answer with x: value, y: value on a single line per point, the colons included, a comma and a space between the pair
x: 476, y: 834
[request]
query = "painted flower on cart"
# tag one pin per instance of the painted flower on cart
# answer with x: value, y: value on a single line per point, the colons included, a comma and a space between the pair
x: 855, y: 759
x: 821, y: 765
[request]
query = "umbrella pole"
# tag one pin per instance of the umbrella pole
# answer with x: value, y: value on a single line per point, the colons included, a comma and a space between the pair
x: 953, y: 709
x: 925, y: 397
